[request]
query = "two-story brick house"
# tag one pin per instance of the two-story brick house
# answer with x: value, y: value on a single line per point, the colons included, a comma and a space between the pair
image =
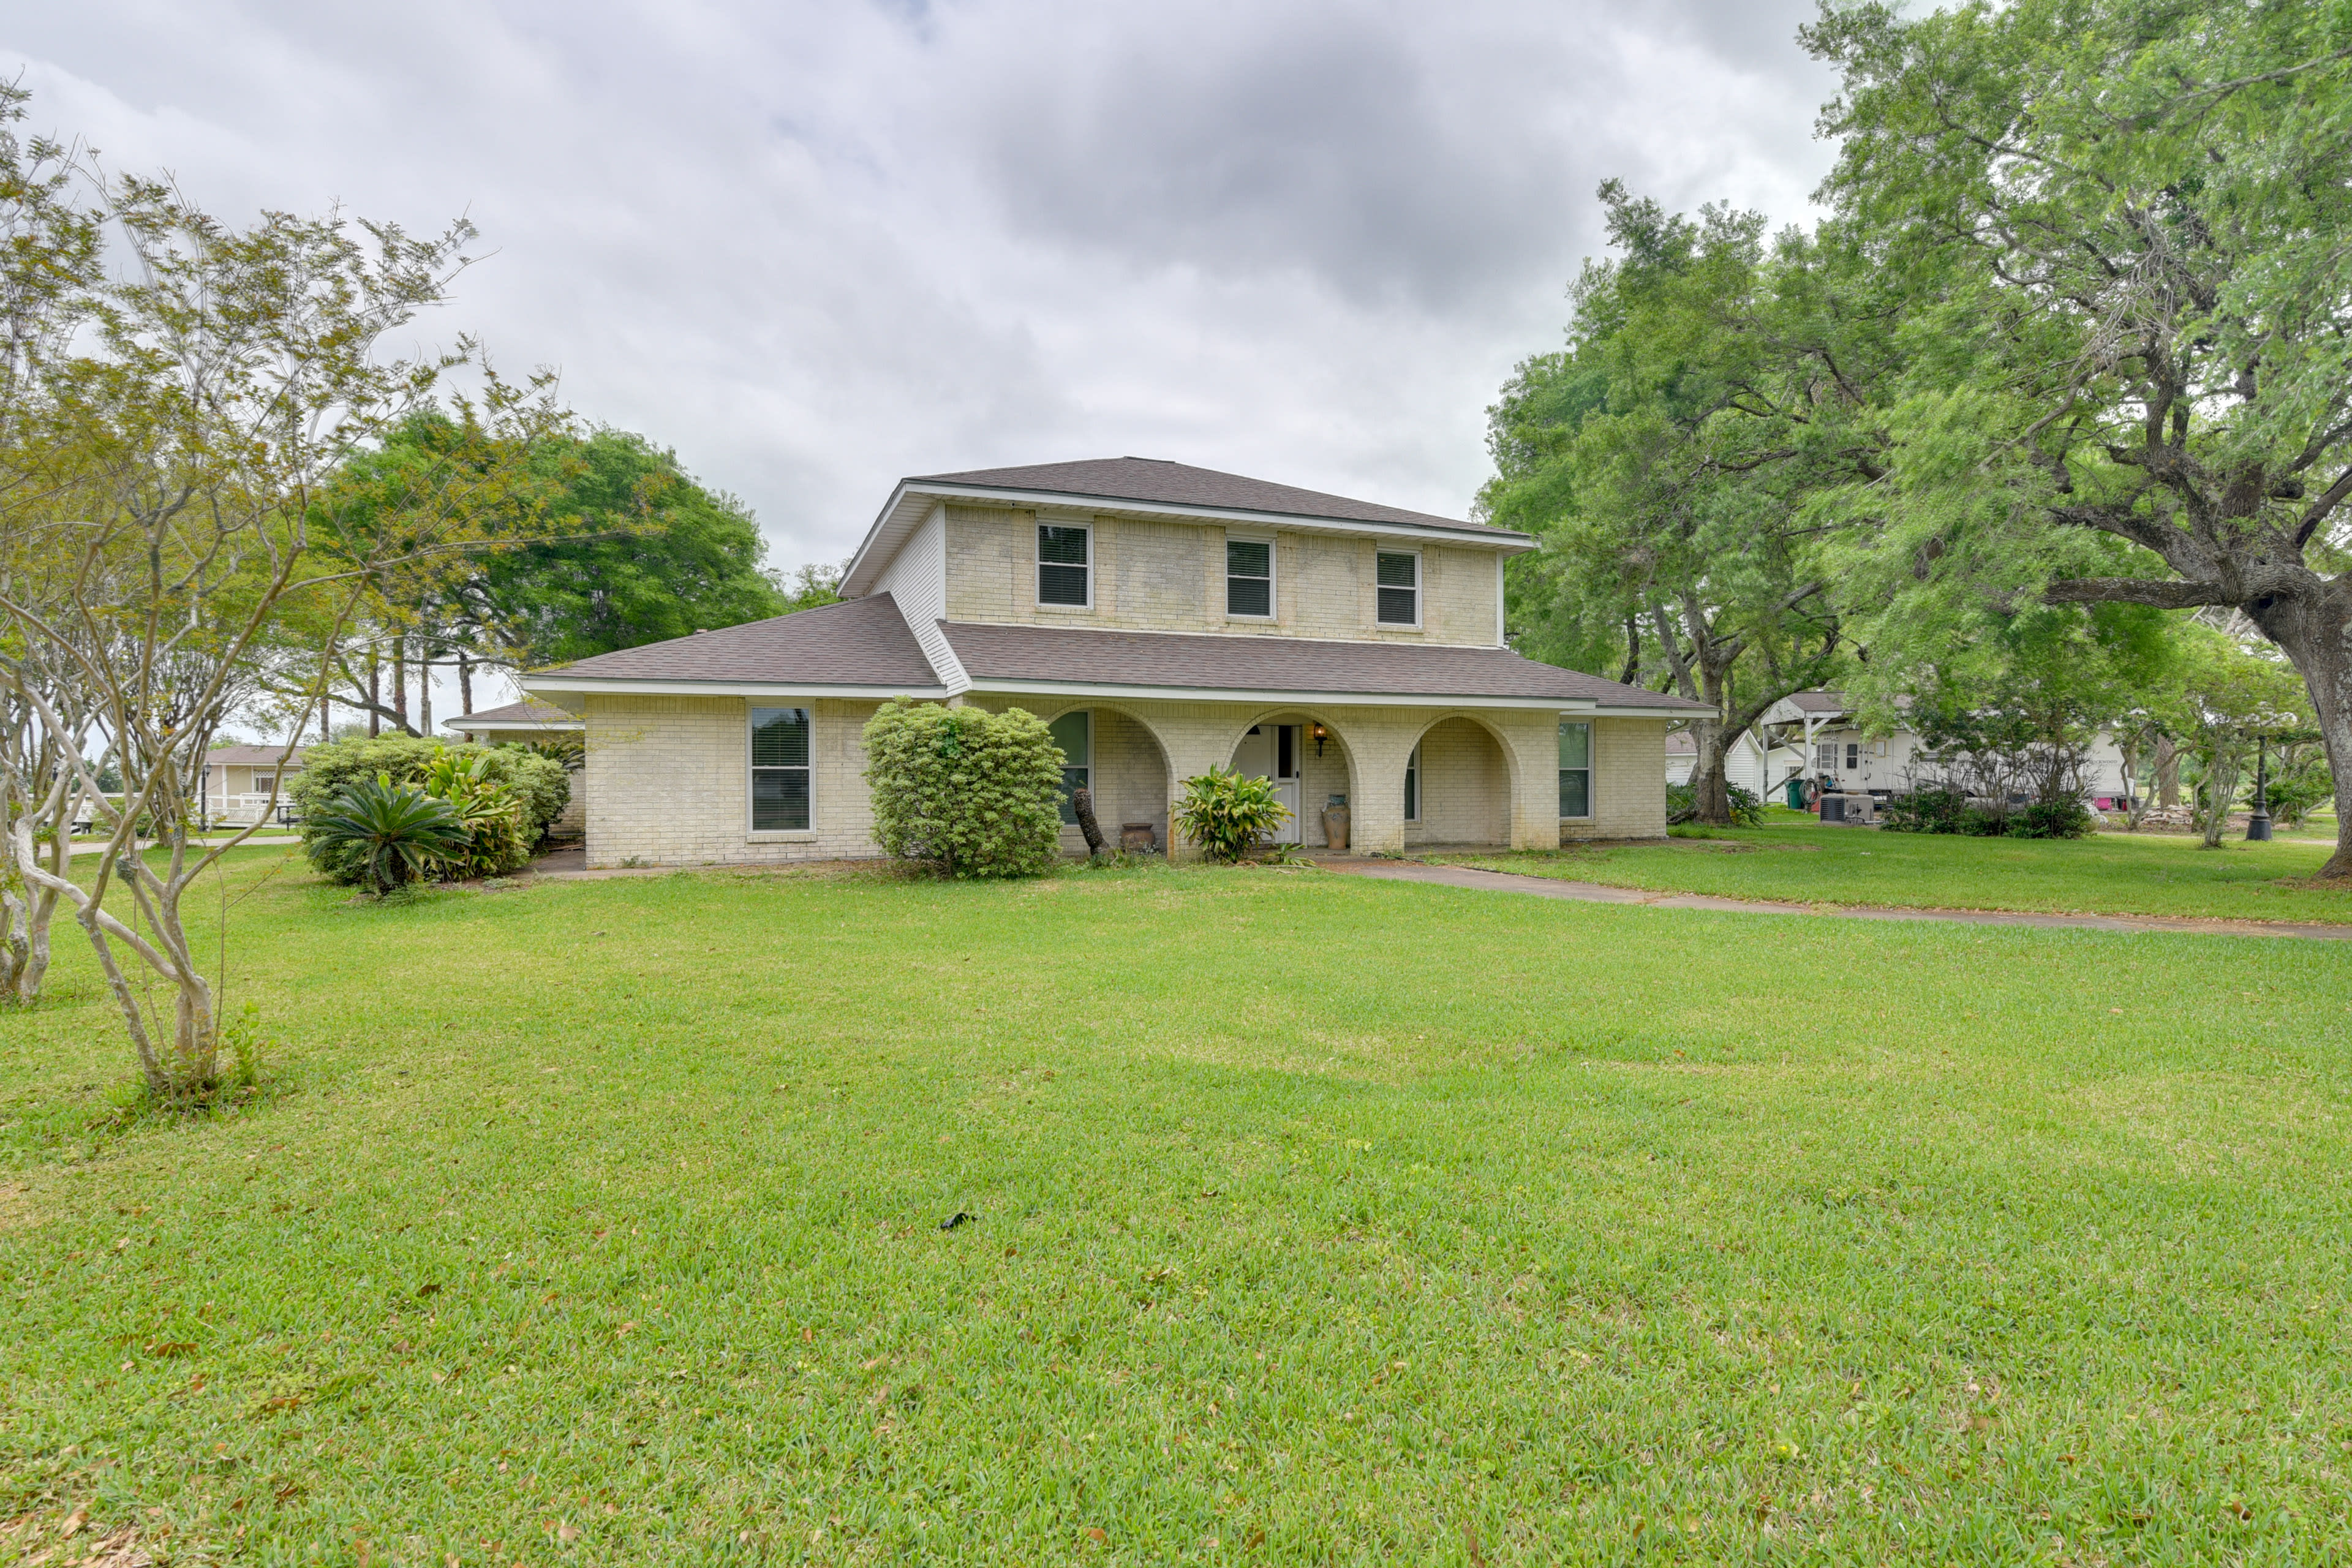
x: 1162, y: 619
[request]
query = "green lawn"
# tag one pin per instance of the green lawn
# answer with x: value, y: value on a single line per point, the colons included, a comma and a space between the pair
x: 1793, y: 858
x: 1319, y: 1220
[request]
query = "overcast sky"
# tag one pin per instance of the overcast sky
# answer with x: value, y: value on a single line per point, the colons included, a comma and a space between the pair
x: 815, y: 247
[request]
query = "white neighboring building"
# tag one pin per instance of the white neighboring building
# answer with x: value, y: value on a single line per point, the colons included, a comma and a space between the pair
x: 1747, y: 764
x: 1817, y: 727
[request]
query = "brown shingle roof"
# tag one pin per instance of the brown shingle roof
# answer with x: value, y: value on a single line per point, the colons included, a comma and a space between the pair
x: 862, y: 642
x: 1081, y: 655
x: 1818, y: 702
x: 1179, y: 484
x: 529, y: 711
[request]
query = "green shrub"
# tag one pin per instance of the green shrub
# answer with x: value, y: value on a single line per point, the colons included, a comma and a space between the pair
x: 1225, y: 812
x: 387, y: 835
x: 1950, y: 811
x: 535, y: 785
x: 972, y: 793
x: 2051, y: 819
x: 1926, y: 810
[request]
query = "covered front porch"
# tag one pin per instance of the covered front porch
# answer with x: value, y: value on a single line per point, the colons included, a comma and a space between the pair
x: 1409, y: 777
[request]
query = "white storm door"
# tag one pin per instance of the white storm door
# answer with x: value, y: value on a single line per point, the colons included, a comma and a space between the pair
x: 1270, y: 752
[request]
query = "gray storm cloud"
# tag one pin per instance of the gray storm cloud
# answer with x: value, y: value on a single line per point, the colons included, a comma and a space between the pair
x: 815, y: 247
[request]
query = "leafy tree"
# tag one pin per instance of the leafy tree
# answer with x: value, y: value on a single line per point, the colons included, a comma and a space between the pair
x: 1666, y: 459
x: 972, y: 792
x: 169, y: 531
x: 2227, y: 698
x: 648, y: 553
x: 2127, y: 240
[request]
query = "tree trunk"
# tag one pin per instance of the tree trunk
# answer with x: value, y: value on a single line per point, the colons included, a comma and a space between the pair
x: 1082, y: 804
x: 425, y: 690
x: 1710, y: 774
x: 375, y: 695
x: 326, y: 719
x: 400, y: 679
x: 2168, y: 773
x: 2316, y: 635
x: 465, y: 681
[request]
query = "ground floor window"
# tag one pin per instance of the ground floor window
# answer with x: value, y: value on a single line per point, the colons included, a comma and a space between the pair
x: 1075, y: 733
x: 1413, y: 786
x: 780, y: 769
x: 1575, y: 769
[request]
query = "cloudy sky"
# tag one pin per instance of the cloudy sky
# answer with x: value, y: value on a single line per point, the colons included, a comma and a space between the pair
x: 816, y: 246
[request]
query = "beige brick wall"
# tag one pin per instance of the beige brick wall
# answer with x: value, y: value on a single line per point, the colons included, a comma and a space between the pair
x: 1466, y: 788
x: 1629, y: 791
x: 1171, y: 577
x: 669, y: 783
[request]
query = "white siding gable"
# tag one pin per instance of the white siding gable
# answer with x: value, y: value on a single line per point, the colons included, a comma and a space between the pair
x: 916, y: 580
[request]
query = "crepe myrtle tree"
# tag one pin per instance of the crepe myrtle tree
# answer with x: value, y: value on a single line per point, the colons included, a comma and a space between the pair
x: 177, y: 539
x: 2127, y: 238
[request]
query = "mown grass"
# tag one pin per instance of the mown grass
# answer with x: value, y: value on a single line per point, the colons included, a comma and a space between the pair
x: 2107, y: 873
x: 1317, y: 1220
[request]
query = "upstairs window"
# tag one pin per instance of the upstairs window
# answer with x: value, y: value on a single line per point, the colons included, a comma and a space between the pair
x: 1065, y: 565
x: 1575, y: 769
x: 780, y: 769
x: 1398, y: 575
x: 1075, y: 733
x: 1249, y: 577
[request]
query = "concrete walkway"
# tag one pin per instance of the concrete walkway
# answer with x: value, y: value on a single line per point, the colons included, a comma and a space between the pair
x: 1603, y: 893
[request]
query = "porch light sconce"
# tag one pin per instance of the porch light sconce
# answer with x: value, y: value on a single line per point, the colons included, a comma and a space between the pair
x: 1320, y: 734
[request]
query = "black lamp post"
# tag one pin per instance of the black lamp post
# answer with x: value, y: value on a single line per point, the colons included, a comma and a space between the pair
x: 2258, y: 821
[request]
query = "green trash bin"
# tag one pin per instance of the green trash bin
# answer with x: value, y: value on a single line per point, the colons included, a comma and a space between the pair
x: 1796, y: 791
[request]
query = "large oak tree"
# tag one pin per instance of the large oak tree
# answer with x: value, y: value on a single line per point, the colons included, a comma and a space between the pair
x: 2126, y: 229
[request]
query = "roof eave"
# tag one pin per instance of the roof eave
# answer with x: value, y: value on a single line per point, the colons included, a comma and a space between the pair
x: 1115, y: 690
x: 912, y: 501
x: 628, y: 686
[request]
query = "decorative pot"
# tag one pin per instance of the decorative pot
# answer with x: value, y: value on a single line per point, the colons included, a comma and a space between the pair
x: 1335, y: 826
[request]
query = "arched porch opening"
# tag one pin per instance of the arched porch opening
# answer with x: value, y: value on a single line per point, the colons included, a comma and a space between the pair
x: 1321, y: 768
x: 1459, y: 786
x: 1121, y: 758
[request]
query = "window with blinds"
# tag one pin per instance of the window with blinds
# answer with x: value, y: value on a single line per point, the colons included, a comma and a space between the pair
x: 1398, y: 576
x: 1065, y: 565
x: 1249, y: 578
x: 780, y: 788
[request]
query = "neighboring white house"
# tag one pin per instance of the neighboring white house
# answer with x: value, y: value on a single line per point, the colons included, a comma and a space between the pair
x: 1747, y: 763
x: 242, y: 785
x: 1817, y: 726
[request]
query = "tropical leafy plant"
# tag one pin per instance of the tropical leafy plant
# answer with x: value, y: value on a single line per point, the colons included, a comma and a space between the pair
x: 973, y: 793
x: 390, y: 834
x: 1225, y: 812
x: 491, y: 813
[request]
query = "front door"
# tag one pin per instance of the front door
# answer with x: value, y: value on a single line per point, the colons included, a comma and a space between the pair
x: 1271, y: 752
